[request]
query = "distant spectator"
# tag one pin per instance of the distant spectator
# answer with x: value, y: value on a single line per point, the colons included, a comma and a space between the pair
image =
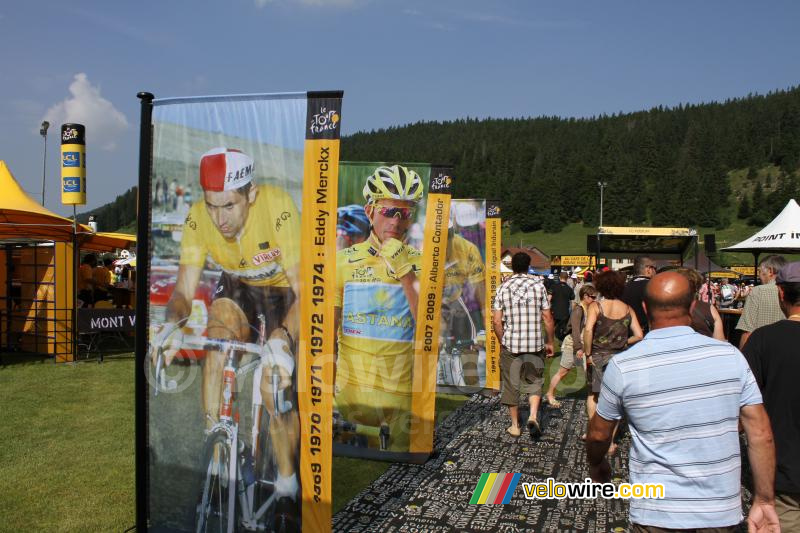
x: 684, y: 395
x: 102, y: 280
x: 727, y: 294
x: 709, y: 292
x: 643, y: 269
x: 86, y: 283
x: 520, y: 307
x: 774, y: 357
x: 560, y: 303
x: 572, y: 346
x: 706, y: 320
x: 761, y: 307
x: 611, y: 326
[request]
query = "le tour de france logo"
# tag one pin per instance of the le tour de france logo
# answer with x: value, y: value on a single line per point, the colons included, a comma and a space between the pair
x: 325, y: 120
x: 440, y: 182
x: 492, y: 211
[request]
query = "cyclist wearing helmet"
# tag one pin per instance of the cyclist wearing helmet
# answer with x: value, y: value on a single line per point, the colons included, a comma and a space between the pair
x: 376, y: 306
x: 352, y: 226
x: 251, y: 233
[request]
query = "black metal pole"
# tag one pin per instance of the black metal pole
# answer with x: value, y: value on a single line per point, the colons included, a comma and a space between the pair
x: 756, y: 280
x: 142, y: 293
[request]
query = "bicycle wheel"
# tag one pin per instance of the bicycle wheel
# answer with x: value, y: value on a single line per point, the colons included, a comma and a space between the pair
x: 216, y: 511
x: 283, y: 516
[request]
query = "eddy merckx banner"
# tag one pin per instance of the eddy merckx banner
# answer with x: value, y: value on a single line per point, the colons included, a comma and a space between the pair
x: 241, y: 333
x: 462, y: 357
x: 392, y: 240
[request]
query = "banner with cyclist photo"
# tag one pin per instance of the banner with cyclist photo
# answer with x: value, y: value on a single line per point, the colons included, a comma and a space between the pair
x: 494, y: 228
x: 240, y: 367
x: 392, y: 238
x: 462, y: 354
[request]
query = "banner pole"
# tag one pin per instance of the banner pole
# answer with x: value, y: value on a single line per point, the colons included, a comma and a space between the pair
x: 142, y: 293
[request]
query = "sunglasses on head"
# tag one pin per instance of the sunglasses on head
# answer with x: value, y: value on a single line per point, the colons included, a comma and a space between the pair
x: 403, y: 213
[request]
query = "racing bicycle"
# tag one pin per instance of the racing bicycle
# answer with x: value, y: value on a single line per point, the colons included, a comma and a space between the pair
x: 238, y: 470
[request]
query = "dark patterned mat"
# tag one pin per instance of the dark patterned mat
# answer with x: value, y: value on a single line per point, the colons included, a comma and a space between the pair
x: 435, y: 496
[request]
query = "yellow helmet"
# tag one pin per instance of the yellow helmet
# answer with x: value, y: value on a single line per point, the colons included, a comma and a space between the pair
x: 395, y: 182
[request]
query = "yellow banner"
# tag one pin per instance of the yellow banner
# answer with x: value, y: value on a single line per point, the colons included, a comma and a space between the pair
x: 650, y: 232
x: 573, y: 261
x: 317, y: 334
x: 493, y: 249
x: 744, y: 270
x: 426, y: 334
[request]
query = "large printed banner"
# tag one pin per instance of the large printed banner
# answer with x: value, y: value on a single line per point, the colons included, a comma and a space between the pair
x: 494, y: 247
x: 241, y: 312
x: 392, y: 240
x: 462, y: 357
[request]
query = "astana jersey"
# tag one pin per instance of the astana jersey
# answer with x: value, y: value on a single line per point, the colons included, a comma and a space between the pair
x: 376, y: 331
x: 267, y: 246
x: 463, y: 264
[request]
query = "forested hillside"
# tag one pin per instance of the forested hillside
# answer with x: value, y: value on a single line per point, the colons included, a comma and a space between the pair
x: 117, y: 215
x: 667, y: 167
x: 694, y: 165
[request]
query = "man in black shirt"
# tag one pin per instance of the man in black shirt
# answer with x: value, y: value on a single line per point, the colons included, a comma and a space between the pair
x: 560, y: 303
x: 773, y: 353
x: 643, y: 269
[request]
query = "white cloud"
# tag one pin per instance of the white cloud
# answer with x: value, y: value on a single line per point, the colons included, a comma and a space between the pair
x: 263, y: 3
x: 104, y: 123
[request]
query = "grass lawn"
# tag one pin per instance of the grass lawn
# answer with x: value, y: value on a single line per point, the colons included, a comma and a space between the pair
x: 67, y: 452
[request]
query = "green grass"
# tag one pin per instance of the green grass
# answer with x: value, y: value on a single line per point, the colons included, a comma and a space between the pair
x: 67, y: 453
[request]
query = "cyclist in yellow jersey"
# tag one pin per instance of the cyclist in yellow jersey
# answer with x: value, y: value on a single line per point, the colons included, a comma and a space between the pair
x: 251, y: 233
x: 376, y: 306
x: 464, y: 269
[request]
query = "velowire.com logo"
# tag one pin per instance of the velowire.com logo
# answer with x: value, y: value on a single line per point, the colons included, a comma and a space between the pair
x: 495, y: 488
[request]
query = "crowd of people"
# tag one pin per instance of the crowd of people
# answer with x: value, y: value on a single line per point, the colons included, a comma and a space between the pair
x: 97, y: 279
x: 655, y: 355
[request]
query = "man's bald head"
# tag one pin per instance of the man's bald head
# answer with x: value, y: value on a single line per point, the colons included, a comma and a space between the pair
x: 668, y: 296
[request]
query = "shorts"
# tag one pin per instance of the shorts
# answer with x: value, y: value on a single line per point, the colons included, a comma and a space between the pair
x: 567, y: 354
x: 521, y: 373
x: 273, y: 302
x: 599, y: 362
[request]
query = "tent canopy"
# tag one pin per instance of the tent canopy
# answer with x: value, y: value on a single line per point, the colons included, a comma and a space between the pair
x: 782, y: 235
x: 108, y: 242
x: 626, y: 242
x: 21, y: 216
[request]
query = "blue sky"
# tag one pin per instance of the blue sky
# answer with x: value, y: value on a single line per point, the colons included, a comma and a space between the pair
x: 397, y: 61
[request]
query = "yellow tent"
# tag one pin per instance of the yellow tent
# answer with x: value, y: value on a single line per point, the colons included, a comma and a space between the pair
x: 21, y: 217
x: 108, y: 242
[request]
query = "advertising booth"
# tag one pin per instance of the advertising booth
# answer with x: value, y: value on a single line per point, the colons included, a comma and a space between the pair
x: 37, y: 298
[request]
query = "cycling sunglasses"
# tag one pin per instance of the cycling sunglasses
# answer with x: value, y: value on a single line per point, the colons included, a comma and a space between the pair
x: 404, y: 213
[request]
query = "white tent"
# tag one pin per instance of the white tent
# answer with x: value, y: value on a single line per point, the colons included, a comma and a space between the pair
x: 782, y: 235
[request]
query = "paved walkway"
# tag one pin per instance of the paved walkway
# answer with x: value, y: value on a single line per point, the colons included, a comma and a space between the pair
x: 435, y: 496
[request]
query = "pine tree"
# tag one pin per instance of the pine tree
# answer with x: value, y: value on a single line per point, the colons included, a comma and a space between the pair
x: 744, y: 208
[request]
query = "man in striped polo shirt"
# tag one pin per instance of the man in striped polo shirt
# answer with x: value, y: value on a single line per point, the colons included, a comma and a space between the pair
x: 684, y: 395
x: 520, y: 306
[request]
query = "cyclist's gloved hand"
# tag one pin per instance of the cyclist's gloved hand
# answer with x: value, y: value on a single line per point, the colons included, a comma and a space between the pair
x: 279, y: 357
x: 168, y: 337
x: 480, y: 338
x: 395, y: 255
